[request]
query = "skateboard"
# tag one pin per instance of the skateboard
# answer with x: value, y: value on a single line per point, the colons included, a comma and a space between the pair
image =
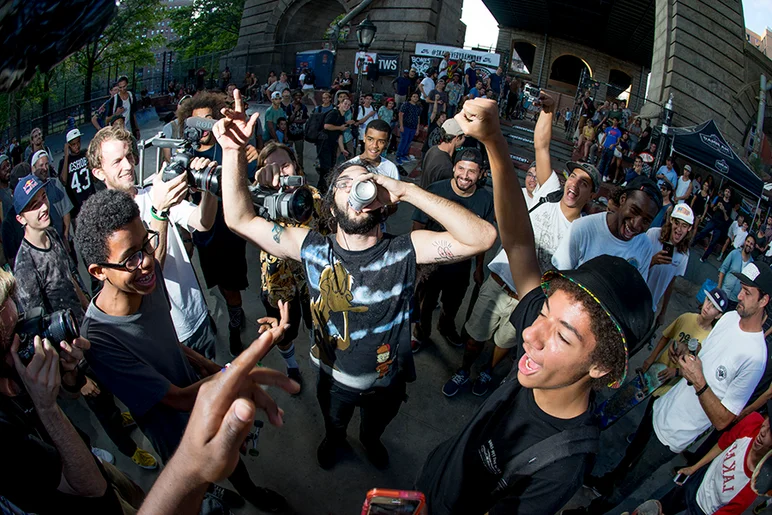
x: 630, y: 395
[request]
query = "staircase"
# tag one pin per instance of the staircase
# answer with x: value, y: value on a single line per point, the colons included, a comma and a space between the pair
x: 520, y: 138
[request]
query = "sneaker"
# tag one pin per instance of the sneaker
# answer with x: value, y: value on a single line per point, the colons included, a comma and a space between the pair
x: 482, y: 383
x: 127, y: 420
x: 229, y: 497
x: 266, y: 500
x: 623, y: 184
x: 327, y: 454
x: 650, y: 507
x: 449, y: 332
x: 103, y: 455
x: 411, y: 157
x: 234, y: 338
x: 144, y: 459
x: 454, y: 384
x: 399, y: 161
x: 416, y: 345
x: 376, y: 453
x: 294, y: 374
x: 702, y: 260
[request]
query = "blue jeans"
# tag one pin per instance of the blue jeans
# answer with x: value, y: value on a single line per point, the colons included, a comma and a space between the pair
x: 605, y: 161
x: 405, y: 140
x: 715, y: 232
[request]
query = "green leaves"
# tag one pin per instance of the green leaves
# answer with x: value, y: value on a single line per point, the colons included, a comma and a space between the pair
x: 206, y: 26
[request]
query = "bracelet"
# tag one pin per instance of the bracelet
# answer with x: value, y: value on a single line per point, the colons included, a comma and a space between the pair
x: 702, y: 390
x: 163, y: 216
x: 678, y: 372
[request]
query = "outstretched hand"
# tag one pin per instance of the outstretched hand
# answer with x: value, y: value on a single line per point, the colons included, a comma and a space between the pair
x: 224, y: 411
x: 234, y: 131
x: 273, y: 326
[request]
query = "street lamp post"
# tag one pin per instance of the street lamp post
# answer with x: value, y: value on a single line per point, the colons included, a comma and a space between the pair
x: 365, y: 36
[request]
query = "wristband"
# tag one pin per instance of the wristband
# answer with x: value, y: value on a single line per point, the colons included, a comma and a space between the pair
x: 163, y: 216
x: 678, y: 372
x: 702, y: 390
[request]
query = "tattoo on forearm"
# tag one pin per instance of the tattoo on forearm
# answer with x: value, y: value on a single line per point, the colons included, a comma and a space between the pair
x: 444, y: 250
x: 277, y: 230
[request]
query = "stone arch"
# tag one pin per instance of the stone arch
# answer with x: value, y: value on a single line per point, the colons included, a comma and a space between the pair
x: 565, y: 72
x: 523, y: 56
x: 301, y: 26
x: 619, y: 82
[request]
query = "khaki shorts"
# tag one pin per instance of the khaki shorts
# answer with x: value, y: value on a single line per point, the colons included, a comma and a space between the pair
x: 490, y: 316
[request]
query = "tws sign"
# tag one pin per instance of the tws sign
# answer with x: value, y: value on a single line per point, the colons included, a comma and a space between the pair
x: 388, y: 64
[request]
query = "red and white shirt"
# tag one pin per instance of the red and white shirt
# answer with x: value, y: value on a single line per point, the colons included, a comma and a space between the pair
x: 726, y: 487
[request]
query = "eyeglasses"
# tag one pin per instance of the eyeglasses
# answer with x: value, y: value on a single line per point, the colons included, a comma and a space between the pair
x: 530, y: 175
x: 344, y: 183
x: 134, y: 261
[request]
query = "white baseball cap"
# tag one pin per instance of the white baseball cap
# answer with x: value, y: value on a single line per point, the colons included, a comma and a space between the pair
x: 275, y: 95
x: 74, y: 133
x: 37, y: 155
x: 688, y: 167
x: 683, y: 212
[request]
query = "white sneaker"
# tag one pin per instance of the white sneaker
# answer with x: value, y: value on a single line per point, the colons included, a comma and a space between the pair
x: 103, y: 455
x: 411, y: 157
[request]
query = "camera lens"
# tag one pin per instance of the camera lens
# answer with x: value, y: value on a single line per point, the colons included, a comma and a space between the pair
x: 208, y: 179
x: 301, y: 205
x: 62, y: 327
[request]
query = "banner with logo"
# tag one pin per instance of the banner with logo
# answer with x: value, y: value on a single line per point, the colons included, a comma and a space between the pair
x: 364, y: 60
x: 485, y: 58
x: 388, y: 64
x: 421, y: 63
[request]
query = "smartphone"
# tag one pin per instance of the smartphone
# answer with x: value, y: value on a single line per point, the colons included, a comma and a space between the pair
x: 680, y: 479
x: 668, y: 248
x: 388, y: 502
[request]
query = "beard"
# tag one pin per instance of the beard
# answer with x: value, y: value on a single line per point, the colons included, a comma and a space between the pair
x: 361, y: 226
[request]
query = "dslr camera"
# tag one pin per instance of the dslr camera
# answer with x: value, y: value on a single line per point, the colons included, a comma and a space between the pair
x: 292, y: 202
x: 207, y: 179
x: 56, y: 327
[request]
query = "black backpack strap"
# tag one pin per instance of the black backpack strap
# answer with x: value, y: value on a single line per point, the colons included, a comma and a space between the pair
x: 582, y: 440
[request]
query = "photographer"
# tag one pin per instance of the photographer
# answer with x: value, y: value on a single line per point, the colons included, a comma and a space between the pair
x: 223, y: 254
x: 134, y: 348
x: 283, y: 280
x: 162, y: 204
x: 361, y: 282
x: 52, y: 469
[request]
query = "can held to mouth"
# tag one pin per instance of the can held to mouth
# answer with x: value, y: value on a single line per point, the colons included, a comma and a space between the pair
x: 362, y: 195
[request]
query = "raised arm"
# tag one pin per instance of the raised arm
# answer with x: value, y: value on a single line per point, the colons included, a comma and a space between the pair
x: 232, y: 133
x: 479, y: 119
x: 542, y: 135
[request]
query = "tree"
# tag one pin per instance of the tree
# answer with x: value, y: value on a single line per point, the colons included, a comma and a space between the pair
x: 207, y: 26
x: 124, y: 41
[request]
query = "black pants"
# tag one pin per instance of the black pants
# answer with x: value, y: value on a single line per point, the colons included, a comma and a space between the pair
x: 108, y: 414
x: 377, y: 408
x: 299, y: 312
x: 450, y: 281
x: 642, y: 458
x: 684, y: 497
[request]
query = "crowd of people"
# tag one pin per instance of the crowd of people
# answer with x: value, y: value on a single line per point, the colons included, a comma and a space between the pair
x: 570, y: 296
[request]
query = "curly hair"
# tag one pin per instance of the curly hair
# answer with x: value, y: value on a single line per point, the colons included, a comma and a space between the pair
x: 201, y: 100
x: 608, y: 353
x: 328, y: 200
x: 105, y: 134
x: 100, y: 217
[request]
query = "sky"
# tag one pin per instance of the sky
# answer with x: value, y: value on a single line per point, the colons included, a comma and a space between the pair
x: 482, y: 30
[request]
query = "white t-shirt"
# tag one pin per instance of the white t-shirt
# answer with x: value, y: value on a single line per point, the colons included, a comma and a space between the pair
x: 364, y: 111
x: 529, y: 201
x: 189, y: 309
x: 660, y: 276
x: 682, y: 188
x: 428, y: 84
x: 733, y: 362
x: 127, y: 113
x: 302, y: 80
x: 385, y: 167
x: 550, y: 226
x: 443, y: 69
x: 733, y: 229
x: 590, y: 236
x: 739, y: 238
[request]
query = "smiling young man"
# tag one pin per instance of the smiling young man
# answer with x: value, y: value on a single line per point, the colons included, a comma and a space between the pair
x: 360, y: 280
x: 134, y: 346
x: 376, y: 137
x: 573, y: 328
x: 619, y: 233
x: 550, y: 222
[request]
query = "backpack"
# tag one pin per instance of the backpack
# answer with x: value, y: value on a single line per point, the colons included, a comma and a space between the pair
x: 314, y: 126
x: 310, y: 78
x: 117, y: 98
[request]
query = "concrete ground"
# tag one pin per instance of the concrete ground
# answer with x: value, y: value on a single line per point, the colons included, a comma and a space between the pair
x: 287, y: 460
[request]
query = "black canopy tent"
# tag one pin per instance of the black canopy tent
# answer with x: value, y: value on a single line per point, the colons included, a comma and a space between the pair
x: 704, y: 144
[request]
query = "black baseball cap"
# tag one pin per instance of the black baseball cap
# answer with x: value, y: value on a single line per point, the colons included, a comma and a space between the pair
x: 469, y: 154
x: 758, y: 276
x: 718, y: 298
x: 589, y: 170
x: 621, y: 292
x: 646, y: 185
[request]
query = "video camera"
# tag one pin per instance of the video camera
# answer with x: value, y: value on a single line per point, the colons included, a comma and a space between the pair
x: 57, y: 327
x: 296, y: 205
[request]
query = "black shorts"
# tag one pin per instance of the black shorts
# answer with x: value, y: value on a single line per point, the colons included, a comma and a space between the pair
x: 224, y: 261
